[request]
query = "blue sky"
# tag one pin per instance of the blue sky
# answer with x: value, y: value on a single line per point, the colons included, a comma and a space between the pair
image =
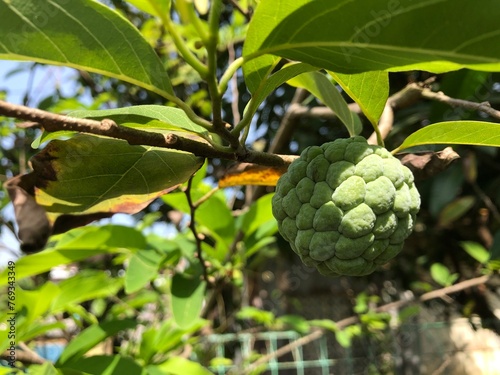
x: 43, y: 83
x: 45, y: 80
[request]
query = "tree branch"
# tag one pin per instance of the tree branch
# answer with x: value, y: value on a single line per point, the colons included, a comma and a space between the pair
x: 52, y: 122
x: 192, y: 226
x: 473, y: 106
x: 25, y: 355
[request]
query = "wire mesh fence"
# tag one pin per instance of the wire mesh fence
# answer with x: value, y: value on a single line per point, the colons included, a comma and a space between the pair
x: 453, y: 348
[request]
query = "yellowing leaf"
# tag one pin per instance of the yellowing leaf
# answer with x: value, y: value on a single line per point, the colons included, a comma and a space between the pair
x: 88, y: 174
x: 250, y: 174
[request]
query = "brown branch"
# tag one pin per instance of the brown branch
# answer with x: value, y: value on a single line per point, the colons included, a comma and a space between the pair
x: 24, y: 355
x: 52, y: 122
x: 473, y: 106
x: 385, y: 123
x: 318, y: 333
x: 192, y: 226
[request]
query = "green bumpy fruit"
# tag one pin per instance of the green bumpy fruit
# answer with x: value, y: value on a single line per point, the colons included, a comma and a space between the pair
x: 346, y: 207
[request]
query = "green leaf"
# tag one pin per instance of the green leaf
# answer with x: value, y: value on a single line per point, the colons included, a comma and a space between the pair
x: 325, y: 324
x: 36, y: 303
x: 295, y: 322
x: 343, y: 338
x: 169, y: 336
x: 266, y: 16
x: 258, y: 215
x: 109, y: 236
x: 75, y: 245
x: 477, y: 133
x: 321, y: 87
x: 370, y: 90
x: 142, y: 268
x: 213, y: 214
x: 81, y: 34
x: 455, y: 210
x: 42, y: 262
x: 266, y: 86
x: 145, y: 117
x: 441, y: 274
x: 266, y: 318
x: 87, y: 174
x: 188, y: 293
x: 157, y: 8
x: 90, y: 337
x: 477, y: 251
x: 46, y: 369
x: 108, y: 365
x: 408, y: 312
x: 368, y: 35
x: 182, y: 366
x: 10, y: 371
x: 86, y: 285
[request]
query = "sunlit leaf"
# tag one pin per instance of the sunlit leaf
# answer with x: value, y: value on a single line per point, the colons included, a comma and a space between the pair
x: 266, y: 17
x: 442, y: 275
x: 182, y: 366
x: 321, y: 87
x: 268, y: 85
x: 295, y: 322
x: 368, y: 35
x: 476, y: 250
x: 258, y: 215
x: 145, y: 117
x: 324, y: 323
x: 343, y: 338
x: 88, y: 174
x: 86, y: 285
x: 81, y: 34
x: 370, y: 90
x: 475, y: 133
x: 153, y: 7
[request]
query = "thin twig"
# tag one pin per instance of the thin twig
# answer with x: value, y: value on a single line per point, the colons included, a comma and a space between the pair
x: 206, y: 197
x: 473, y: 106
x: 384, y: 125
x: 25, y: 355
x: 192, y: 226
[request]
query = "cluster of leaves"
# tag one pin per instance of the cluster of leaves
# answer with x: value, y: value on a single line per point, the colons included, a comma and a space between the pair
x: 176, y: 56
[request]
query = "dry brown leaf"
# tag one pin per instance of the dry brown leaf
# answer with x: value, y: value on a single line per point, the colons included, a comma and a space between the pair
x: 427, y: 164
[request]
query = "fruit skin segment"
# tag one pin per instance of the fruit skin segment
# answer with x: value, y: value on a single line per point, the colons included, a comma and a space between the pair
x: 346, y: 207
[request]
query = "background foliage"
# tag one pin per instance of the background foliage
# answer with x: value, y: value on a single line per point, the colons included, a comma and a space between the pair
x: 206, y: 258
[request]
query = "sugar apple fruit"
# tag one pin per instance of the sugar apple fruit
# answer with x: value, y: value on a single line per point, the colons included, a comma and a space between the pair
x: 346, y: 207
